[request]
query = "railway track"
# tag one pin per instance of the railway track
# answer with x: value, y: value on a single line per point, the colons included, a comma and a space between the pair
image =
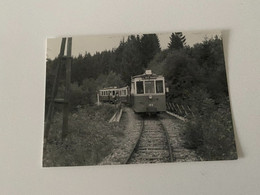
x: 153, y: 145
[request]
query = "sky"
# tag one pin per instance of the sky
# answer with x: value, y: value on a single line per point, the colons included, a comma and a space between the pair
x: 97, y: 43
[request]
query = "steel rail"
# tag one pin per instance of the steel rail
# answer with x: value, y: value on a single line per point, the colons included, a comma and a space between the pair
x: 136, y: 144
x: 167, y: 139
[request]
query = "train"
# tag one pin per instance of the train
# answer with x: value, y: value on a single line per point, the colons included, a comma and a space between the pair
x: 114, y: 94
x: 146, y: 94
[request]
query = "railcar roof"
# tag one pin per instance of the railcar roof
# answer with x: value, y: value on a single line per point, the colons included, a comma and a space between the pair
x: 113, y: 88
x: 146, y: 75
x: 109, y: 88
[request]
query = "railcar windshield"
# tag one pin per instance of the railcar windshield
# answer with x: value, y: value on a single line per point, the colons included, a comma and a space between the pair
x: 139, y: 87
x: 149, y: 86
x: 159, y: 86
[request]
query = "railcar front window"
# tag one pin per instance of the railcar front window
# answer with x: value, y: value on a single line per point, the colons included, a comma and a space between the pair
x: 159, y: 86
x: 149, y: 86
x: 139, y: 87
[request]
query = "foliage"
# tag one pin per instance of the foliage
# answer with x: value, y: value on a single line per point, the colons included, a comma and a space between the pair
x: 158, y: 63
x: 86, y: 93
x: 150, y: 46
x: 131, y: 58
x: 196, y: 76
x: 211, y: 132
x: 90, y: 138
x: 209, y: 54
x: 181, y: 73
x: 112, y: 79
x: 77, y: 96
x: 177, y: 41
x: 201, y: 66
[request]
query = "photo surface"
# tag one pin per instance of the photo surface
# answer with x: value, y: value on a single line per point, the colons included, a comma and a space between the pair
x: 136, y: 99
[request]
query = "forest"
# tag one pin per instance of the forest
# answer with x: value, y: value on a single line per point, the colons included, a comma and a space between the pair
x: 195, y: 76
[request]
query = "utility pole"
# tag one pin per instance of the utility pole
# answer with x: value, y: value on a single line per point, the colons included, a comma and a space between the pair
x: 63, y: 61
x: 54, y: 90
x: 67, y: 90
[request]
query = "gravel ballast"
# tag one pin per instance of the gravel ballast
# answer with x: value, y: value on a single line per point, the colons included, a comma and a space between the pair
x: 127, y: 143
x: 174, y: 127
x: 133, y: 125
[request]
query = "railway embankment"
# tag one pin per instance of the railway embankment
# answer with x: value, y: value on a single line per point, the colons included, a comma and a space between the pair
x: 133, y: 124
x: 133, y: 127
x: 175, y: 128
x: 153, y: 145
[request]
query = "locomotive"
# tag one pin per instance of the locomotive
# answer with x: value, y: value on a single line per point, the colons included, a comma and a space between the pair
x: 147, y: 93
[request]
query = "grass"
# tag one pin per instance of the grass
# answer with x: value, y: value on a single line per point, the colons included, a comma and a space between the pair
x: 89, y: 140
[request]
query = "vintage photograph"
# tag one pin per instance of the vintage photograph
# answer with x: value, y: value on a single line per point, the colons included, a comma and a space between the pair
x: 137, y: 98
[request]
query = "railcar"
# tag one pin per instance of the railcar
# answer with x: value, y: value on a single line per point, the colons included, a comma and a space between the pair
x: 124, y: 94
x: 148, y: 93
x: 112, y: 94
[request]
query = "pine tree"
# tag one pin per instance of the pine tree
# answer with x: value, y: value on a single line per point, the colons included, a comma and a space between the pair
x: 150, y: 46
x: 177, y: 41
x: 131, y: 59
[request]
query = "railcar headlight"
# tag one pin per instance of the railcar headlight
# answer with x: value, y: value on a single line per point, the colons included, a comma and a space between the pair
x: 150, y: 97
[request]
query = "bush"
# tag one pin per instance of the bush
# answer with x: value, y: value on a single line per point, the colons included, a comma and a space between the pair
x: 193, y: 134
x: 211, y: 132
x: 77, y: 96
x: 83, y: 95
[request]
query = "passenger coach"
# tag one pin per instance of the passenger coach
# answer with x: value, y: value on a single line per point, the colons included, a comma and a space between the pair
x: 111, y: 94
x: 148, y: 93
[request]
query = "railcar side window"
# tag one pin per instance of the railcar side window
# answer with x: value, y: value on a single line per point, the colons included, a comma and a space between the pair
x: 139, y: 87
x: 149, y: 86
x: 159, y: 86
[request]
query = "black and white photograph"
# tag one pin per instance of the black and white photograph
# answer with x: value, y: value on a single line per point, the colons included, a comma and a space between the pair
x: 127, y: 97
x: 137, y: 99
